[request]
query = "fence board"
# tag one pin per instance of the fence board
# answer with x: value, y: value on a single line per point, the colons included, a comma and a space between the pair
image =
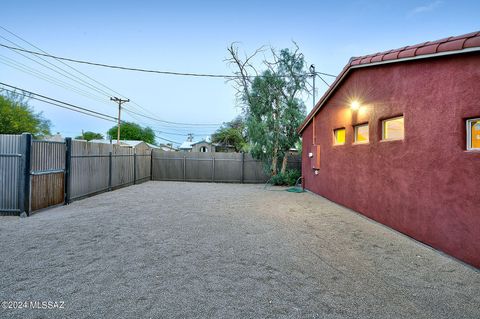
x: 10, y: 165
x: 143, y: 165
x: 122, y: 166
x: 167, y: 166
x: 254, y: 171
x: 89, y: 168
x: 47, y: 190
x: 228, y: 167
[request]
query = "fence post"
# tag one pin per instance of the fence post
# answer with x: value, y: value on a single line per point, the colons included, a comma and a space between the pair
x: 68, y: 165
x: 24, y: 185
x: 243, y: 168
x: 109, y: 171
x: 151, y: 164
x: 184, y: 168
x: 134, y: 167
x: 213, y: 167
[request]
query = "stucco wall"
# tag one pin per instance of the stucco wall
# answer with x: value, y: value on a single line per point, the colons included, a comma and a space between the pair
x: 198, y: 146
x: 427, y: 185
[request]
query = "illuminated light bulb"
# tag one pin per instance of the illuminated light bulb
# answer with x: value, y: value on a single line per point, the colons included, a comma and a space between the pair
x: 354, y: 105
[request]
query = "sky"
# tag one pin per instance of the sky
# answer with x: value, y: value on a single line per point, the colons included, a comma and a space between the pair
x: 193, y: 36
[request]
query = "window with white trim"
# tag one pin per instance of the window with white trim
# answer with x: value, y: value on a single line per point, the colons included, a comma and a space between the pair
x: 361, y: 133
x: 339, y: 136
x: 473, y: 134
x: 393, y: 129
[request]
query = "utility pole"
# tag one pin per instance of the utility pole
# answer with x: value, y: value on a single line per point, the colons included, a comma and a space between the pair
x: 120, y: 102
x: 312, y: 72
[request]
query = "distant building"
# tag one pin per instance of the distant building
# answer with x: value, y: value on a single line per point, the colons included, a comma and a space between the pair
x: 186, y: 146
x: 168, y: 148
x: 139, y: 145
x: 203, y: 147
x: 54, y: 138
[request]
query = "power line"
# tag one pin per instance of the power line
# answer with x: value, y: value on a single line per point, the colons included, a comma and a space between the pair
x: 69, y: 76
x: 69, y: 66
x: 135, y: 69
x: 161, y: 131
x: 168, y: 122
x: 22, y: 67
x: 72, y: 107
x: 56, y: 69
x: 65, y: 104
x: 46, y: 77
x: 103, y: 92
x: 166, y: 139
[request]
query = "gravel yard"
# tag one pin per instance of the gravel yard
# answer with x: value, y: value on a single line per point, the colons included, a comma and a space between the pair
x: 199, y: 250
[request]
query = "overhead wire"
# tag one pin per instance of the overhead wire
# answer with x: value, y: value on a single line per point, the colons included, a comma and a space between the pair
x: 46, y: 77
x: 125, y: 68
x: 59, y: 60
x: 56, y: 69
x: 135, y: 105
x: 81, y: 81
x: 57, y: 102
x: 157, y: 132
x: 169, y: 122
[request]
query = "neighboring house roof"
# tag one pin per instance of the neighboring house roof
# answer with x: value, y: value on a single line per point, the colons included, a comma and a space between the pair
x: 447, y: 46
x: 167, y: 148
x: 101, y: 141
x: 129, y: 143
x: 186, y: 145
x: 202, y: 141
x: 151, y: 145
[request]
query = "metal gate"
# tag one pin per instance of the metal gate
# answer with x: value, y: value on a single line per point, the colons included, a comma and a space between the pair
x: 11, y: 172
x: 47, y: 174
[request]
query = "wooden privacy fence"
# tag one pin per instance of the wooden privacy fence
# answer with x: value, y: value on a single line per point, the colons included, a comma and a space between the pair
x: 97, y: 168
x: 211, y: 167
x: 39, y: 174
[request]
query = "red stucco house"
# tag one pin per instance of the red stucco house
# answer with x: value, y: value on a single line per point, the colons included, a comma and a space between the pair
x: 397, y: 138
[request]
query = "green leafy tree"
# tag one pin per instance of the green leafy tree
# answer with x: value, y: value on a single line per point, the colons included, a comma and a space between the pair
x: 88, y: 136
x: 132, y: 131
x: 232, y: 133
x: 272, y: 102
x: 17, y: 117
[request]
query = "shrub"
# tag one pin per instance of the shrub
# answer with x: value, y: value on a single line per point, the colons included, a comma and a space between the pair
x: 289, y: 178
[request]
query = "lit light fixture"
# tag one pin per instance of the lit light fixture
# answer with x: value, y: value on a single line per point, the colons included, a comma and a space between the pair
x: 355, y: 105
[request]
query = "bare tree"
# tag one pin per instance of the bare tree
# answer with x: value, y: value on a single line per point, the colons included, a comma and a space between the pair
x: 271, y: 100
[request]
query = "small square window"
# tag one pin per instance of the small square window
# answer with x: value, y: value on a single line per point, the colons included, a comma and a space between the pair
x: 392, y: 129
x: 339, y: 136
x: 473, y: 134
x: 361, y: 133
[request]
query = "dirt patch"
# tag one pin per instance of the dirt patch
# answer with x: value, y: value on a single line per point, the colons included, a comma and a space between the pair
x: 197, y: 250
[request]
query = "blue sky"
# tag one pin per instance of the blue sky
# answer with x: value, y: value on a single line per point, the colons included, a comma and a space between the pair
x: 192, y: 36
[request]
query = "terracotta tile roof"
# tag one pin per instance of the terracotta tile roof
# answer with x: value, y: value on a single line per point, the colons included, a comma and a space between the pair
x: 430, y: 48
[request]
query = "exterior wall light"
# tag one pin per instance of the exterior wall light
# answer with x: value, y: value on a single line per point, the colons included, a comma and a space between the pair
x: 310, y: 155
x: 354, y: 105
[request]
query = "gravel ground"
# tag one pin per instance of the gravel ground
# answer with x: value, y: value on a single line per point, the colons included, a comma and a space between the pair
x: 197, y: 250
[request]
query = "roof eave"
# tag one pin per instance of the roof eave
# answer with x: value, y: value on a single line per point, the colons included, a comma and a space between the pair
x: 349, y: 67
